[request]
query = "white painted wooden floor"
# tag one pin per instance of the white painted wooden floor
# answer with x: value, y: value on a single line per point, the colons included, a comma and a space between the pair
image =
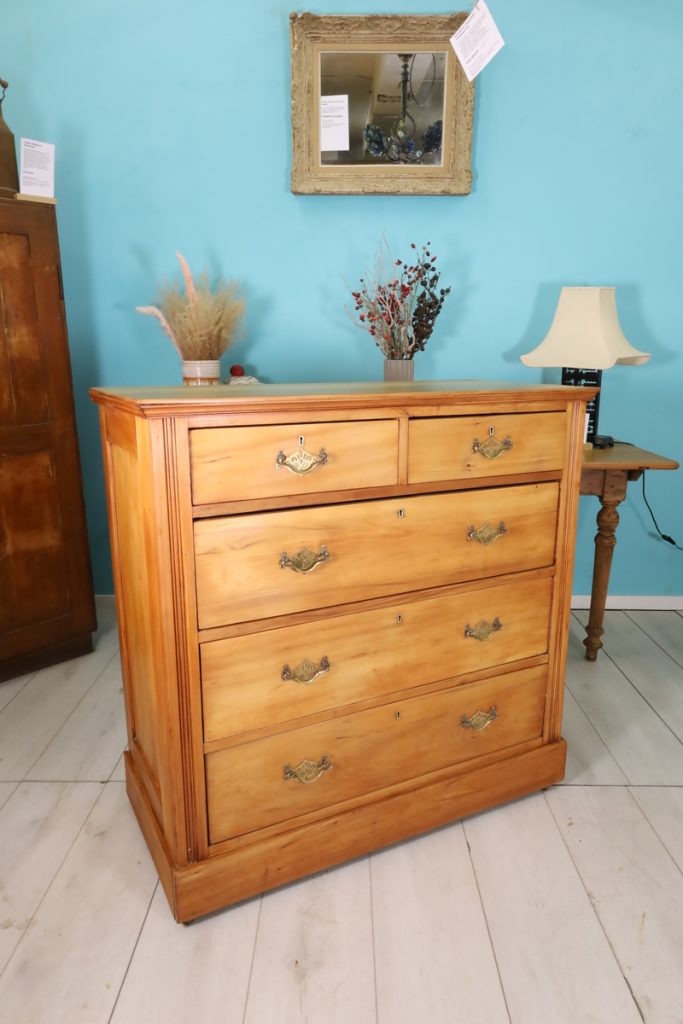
x: 563, y: 907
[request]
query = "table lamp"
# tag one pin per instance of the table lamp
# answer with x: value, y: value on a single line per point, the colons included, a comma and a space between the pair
x: 586, y: 338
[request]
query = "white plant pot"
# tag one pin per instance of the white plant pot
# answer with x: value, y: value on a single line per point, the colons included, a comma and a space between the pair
x: 201, y: 371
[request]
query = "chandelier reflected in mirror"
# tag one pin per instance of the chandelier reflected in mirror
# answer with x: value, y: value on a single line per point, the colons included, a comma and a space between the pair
x: 402, y: 144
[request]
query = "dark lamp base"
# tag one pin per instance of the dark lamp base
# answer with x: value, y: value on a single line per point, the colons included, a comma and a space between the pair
x: 603, y: 441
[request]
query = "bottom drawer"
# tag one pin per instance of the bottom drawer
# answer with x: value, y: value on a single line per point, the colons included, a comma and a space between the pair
x: 309, y: 769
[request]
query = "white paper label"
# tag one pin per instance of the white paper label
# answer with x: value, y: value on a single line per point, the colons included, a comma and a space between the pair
x: 334, y: 123
x: 477, y: 41
x: 37, y: 171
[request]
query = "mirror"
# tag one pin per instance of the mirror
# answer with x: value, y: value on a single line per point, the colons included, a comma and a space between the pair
x: 379, y: 105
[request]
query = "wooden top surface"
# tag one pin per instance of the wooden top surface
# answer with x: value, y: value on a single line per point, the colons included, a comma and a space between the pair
x: 625, y: 456
x: 183, y: 400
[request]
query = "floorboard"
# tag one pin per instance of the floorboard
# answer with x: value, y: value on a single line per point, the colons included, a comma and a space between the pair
x: 433, y: 952
x: 70, y: 964
x: 202, y: 975
x: 657, y: 677
x: 89, y: 743
x: 646, y: 750
x: 313, y: 959
x: 665, y: 628
x: 38, y: 825
x: 663, y: 808
x: 554, y: 960
x: 119, y: 772
x: 589, y: 762
x: 635, y: 888
x: 11, y: 687
x: 6, y: 790
x: 30, y: 721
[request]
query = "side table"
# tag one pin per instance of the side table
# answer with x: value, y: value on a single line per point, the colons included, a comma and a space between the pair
x: 606, y: 473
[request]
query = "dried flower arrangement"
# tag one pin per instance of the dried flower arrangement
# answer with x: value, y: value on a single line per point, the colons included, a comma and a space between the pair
x: 399, y: 306
x: 203, y: 322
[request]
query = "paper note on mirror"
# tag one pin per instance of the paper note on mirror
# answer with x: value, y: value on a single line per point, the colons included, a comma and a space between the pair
x: 334, y: 123
x: 477, y: 41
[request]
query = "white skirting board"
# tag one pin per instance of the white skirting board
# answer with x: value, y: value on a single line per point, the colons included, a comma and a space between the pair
x: 639, y: 602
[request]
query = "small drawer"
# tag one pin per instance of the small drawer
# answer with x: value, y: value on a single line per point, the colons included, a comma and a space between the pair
x: 274, y: 563
x: 252, y: 681
x: 314, y: 768
x: 236, y: 463
x: 465, y: 447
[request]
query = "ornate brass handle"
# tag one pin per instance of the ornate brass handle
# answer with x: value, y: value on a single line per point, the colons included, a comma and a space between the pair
x: 308, y: 771
x: 486, y: 534
x: 305, y: 561
x: 300, y: 461
x: 480, y: 719
x: 491, y: 448
x: 483, y: 629
x: 306, y: 671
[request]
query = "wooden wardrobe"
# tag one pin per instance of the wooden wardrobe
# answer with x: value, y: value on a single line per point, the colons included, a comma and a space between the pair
x: 47, y: 611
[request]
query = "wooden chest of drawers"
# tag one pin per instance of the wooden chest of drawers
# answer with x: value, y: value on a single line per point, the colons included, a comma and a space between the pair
x: 343, y: 614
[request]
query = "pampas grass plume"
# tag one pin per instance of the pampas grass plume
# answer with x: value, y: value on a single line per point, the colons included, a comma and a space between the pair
x: 203, y: 321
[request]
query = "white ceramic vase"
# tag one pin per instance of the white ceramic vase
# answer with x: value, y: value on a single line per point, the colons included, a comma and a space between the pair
x: 201, y: 371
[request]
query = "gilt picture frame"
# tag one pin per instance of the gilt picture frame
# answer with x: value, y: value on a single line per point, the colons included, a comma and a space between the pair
x: 380, y: 105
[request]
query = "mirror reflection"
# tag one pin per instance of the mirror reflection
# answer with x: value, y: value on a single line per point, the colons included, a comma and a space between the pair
x: 381, y: 108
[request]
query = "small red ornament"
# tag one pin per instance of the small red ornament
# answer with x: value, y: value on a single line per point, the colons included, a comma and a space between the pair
x: 237, y: 370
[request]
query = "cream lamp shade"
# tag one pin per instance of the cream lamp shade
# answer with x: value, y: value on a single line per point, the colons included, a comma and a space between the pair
x: 585, y: 332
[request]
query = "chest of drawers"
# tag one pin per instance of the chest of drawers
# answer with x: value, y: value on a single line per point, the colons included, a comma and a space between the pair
x: 343, y: 614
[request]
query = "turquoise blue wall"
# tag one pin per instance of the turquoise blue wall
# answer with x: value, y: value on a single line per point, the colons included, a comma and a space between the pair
x: 171, y: 122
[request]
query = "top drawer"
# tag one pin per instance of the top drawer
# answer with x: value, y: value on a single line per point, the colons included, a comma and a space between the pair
x: 235, y: 463
x: 462, y: 447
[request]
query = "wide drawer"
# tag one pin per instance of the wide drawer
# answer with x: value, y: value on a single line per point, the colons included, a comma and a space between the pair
x: 234, y: 463
x: 273, y: 563
x: 257, y: 680
x: 462, y: 447
x: 278, y: 778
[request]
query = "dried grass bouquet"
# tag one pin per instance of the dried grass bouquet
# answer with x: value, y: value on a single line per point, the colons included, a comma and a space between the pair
x: 203, y: 321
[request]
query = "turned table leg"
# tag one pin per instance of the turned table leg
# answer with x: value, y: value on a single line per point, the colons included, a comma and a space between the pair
x: 611, y: 494
x: 605, y: 539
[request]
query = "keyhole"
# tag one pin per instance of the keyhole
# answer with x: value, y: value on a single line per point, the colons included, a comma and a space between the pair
x: 301, y: 440
x: 397, y: 715
x: 401, y: 513
x: 399, y: 620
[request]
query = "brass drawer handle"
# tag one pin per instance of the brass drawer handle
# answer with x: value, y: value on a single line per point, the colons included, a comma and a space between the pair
x: 306, y: 671
x: 483, y: 629
x: 491, y: 448
x: 300, y: 461
x: 305, y: 561
x: 479, y: 720
x: 486, y: 534
x: 308, y: 771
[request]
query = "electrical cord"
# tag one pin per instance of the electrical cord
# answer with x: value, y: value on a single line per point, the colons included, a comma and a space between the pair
x: 664, y: 536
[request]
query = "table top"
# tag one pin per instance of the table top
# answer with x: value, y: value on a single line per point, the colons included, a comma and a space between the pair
x: 625, y: 456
